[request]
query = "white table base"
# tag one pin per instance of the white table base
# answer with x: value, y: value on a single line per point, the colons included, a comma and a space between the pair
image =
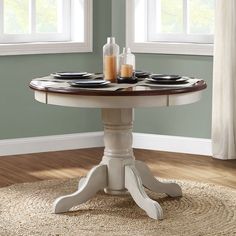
x: 118, y: 171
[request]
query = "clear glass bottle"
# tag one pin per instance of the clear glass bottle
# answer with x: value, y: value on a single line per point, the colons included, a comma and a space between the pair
x: 110, y: 57
x: 126, y: 64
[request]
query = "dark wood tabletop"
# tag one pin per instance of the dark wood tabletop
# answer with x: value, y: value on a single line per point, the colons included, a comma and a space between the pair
x: 56, y: 86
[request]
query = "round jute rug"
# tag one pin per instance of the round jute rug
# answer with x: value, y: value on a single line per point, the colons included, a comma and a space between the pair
x: 204, y: 209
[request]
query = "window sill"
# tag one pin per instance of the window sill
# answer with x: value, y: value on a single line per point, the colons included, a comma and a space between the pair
x: 172, y: 48
x: 45, y: 48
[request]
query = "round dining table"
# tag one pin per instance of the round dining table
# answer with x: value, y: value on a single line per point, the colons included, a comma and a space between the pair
x: 118, y: 172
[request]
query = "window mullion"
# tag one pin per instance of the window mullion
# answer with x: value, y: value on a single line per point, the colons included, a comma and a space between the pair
x: 1, y: 17
x: 60, y: 16
x: 33, y: 17
x: 153, y: 16
x: 185, y: 16
x: 65, y: 20
x: 159, y: 19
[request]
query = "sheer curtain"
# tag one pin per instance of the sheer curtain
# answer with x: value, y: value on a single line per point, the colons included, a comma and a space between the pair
x: 224, y: 82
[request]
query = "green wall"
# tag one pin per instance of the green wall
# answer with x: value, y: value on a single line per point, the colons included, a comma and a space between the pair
x: 22, y: 116
x: 193, y: 120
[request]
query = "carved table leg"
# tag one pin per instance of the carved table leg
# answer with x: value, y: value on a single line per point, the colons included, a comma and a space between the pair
x: 95, y: 181
x: 81, y: 182
x: 134, y: 185
x: 150, y: 182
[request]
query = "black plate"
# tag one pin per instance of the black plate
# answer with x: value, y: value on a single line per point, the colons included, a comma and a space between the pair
x: 165, y: 77
x: 71, y: 75
x: 90, y: 83
x: 141, y: 74
x: 161, y: 81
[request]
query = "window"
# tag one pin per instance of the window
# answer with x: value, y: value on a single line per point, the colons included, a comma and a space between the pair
x: 171, y: 26
x: 45, y: 26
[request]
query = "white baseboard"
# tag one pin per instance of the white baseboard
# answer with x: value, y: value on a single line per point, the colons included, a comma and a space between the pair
x: 95, y: 139
x: 166, y: 143
x: 50, y: 143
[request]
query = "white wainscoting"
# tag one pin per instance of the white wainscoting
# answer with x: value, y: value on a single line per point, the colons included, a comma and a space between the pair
x: 95, y: 139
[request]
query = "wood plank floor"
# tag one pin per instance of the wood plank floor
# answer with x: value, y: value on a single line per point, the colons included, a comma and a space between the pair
x: 70, y: 164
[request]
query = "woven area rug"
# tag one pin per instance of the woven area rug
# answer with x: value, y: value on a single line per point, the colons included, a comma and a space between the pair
x: 204, y: 209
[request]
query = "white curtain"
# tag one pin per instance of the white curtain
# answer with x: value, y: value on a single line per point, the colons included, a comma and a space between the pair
x: 224, y: 82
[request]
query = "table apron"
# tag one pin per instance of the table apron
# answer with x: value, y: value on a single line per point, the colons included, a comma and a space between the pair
x: 117, y: 101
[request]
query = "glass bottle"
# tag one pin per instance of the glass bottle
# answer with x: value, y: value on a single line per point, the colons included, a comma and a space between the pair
x: 126, y: 64
x: 110, y: 56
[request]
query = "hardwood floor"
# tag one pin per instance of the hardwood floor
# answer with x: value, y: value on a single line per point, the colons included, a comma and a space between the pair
x: 70, y: 164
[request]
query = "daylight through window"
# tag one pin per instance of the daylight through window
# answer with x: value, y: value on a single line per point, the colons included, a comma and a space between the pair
x: 180, y: 20
x: 34, y: 20
x: 170, y: 26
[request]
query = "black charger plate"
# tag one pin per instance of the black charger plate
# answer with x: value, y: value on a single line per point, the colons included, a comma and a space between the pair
x: 71, y: 75
x: 164, y: 77
x: 141, y: 74
x: 89, y: 83
x: 162, y: 81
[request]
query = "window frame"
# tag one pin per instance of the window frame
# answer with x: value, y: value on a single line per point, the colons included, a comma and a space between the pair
x: 33, y: 36
x: 81, y: 18
x: 185, y: 37
x: 161, y: 46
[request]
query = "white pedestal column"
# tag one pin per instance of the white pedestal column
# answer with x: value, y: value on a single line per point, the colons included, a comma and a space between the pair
x: 118, y: 125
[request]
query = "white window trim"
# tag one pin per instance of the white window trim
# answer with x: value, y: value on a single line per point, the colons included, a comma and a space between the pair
x: 184, y: 37
x: 73, y: 46
x: 63, y: 33
x: 160, y: 47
